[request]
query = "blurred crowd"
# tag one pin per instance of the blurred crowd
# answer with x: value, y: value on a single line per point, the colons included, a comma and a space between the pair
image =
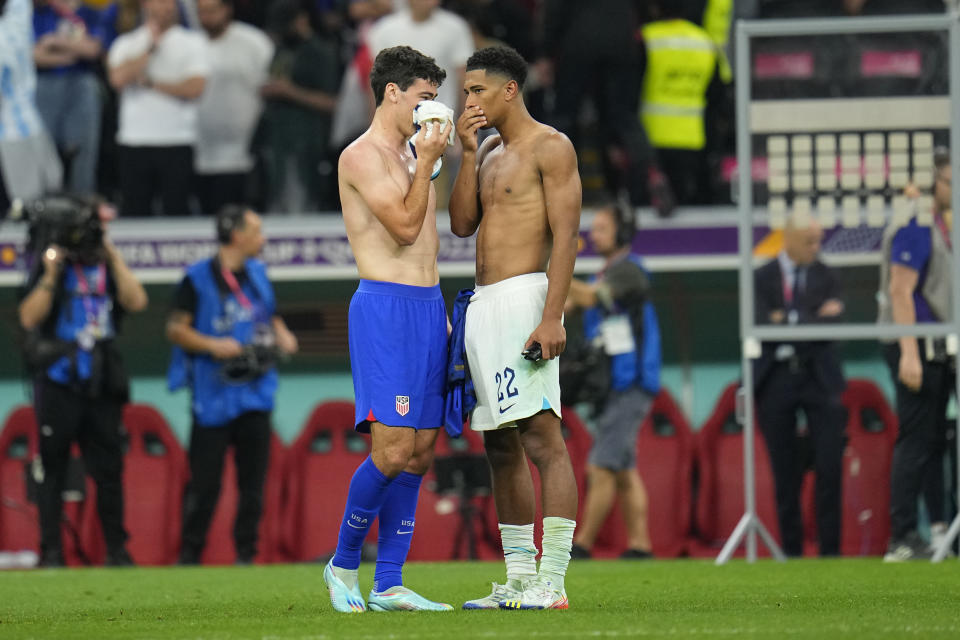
x: 176, y: 107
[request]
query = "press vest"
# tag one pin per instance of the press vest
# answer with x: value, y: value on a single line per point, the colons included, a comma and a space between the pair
x: 641, y: 366
x: 681, y: 60
x: 215, y: 401
x: 937, y: 285
x: 85, y: 311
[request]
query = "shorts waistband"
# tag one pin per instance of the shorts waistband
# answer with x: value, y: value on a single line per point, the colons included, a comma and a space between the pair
x: 379, y: 287
x: 510, y: 285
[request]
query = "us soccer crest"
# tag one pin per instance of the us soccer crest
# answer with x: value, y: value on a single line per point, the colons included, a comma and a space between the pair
x: 403, y: 405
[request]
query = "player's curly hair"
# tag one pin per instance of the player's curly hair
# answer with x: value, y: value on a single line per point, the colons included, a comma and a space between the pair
x: 402, y: 66
x: 504, y: 61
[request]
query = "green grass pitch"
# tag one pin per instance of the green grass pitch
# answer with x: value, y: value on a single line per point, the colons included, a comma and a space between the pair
x: 850, y: 598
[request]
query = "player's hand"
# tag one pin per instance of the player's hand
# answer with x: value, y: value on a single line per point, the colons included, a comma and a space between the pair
x: 830, y: 309
x: 431, y: 142
x: 53, y: 259
x: 469, y: 122
x: 225, y: 348
x: 552, y: 338
x: 911, y: 371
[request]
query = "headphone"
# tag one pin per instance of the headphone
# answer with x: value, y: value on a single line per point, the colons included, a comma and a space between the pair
x: 626, y: 220
x: 229, y: 218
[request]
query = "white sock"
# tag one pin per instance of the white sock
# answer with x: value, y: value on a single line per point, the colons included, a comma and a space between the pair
x: 519, y: 552
x: 557, y: 540
x: 349, y: 577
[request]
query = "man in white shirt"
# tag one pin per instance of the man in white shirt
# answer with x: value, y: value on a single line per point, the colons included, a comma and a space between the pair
x: 436, y: 32
x: 230, y: 107
x: 160, y: 71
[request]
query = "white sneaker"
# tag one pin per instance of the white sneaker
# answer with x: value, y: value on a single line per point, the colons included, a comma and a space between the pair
x: 938, y: 534
x: 500, y: 593
x: 540, y: 593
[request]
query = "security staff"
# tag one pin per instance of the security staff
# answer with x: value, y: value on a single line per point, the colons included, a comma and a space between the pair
x: 681, y: 63
x: 71, y: 312
x: 227, y: 336
x: 619, y: 318
x: 796, y: 288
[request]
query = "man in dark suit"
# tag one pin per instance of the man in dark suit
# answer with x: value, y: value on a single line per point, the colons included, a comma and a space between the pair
x: 796, y: 288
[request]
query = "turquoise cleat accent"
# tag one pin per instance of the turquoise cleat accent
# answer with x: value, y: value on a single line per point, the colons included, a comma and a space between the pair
x: 403, y: 599
x: 343, y: 599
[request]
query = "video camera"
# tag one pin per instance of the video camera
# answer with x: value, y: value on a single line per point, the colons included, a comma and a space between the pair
x: 69, y: 221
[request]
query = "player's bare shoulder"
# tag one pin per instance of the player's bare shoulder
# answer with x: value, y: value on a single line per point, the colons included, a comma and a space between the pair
x: 552, y: 147
x: 356, y: 158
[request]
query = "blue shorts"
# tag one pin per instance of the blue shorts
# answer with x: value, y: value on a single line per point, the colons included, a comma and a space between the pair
x: 398, y: 354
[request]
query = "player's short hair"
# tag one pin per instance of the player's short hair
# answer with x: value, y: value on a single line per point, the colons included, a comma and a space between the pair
x: 503, y: 61
x: 402, y: 66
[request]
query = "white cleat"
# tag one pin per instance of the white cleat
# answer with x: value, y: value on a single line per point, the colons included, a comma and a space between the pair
x: 500, y: 593
x: 540, y: 593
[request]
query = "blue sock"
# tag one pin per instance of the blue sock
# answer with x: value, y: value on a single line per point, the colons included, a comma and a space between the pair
x: 368, y: 490
x: 396, y: 530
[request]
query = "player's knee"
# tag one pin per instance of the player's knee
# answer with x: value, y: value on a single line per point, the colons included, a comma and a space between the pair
x: 543, y: 450
x: 420, y: 462
x: 394, y: 459
x: 503, y: 449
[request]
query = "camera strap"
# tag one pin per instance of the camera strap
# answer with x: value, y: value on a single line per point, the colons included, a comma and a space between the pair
x: 238, y: 293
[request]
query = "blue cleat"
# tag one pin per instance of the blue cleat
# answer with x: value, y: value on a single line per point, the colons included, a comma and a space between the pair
x: 402, y: 599
x: 343, y: 598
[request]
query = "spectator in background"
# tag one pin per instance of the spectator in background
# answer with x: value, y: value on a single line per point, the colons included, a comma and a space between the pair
x: 915, y: 287
x: 679, y: 81
x: 793, y: 289
x: 590, y: 52
x: 620, y: 319
x: 301, y: 96
x: 227, y: 336
x: 231, y: 105
x: 160, y: 71
x: 69, y: 43
x: 28, y: 160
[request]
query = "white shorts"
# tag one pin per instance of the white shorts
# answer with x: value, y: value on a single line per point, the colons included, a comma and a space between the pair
x: 500, y: 319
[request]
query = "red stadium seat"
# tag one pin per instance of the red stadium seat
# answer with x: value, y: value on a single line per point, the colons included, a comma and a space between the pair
x: 320, y: 464
x: 871, y: 432
x: 19, y: 528
x: 154, y: 477
x: 220, y: 548
x: 665, y: 450
x: 19, y: 521
x: 720, y: 464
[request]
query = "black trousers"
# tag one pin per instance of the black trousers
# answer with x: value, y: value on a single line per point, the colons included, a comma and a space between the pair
x: 923, y: 424
x: 214, y: 190
x: 249, y: 434
x: 787, y: 390
x: 147, y: 173
x: 65, y: 416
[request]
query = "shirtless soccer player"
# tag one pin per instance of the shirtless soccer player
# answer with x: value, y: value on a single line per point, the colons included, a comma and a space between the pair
x: 521, y: 190
x: 397, y: 328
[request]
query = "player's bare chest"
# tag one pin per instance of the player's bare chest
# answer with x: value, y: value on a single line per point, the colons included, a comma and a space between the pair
x: 509, y: 176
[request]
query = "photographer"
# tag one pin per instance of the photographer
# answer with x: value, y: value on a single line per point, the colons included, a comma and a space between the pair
x: 227, y: 338
x: 75, y: 296
x: 621, y: 326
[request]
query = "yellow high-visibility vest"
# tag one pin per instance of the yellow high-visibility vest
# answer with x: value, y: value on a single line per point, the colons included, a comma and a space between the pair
x: 681, y: 60
x: 716, y: 22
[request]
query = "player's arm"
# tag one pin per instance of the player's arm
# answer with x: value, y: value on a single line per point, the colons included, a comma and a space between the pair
x: 903, y: 281
x: 465, y: 210
x: 401, y: 214
x: 557, y: 162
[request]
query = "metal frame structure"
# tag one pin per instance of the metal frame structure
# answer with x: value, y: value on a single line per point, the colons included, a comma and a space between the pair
x: 753, y: 335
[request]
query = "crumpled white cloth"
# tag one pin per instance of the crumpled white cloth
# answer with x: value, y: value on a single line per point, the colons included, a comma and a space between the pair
x: 433, y: 111
x: 432, y: 114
